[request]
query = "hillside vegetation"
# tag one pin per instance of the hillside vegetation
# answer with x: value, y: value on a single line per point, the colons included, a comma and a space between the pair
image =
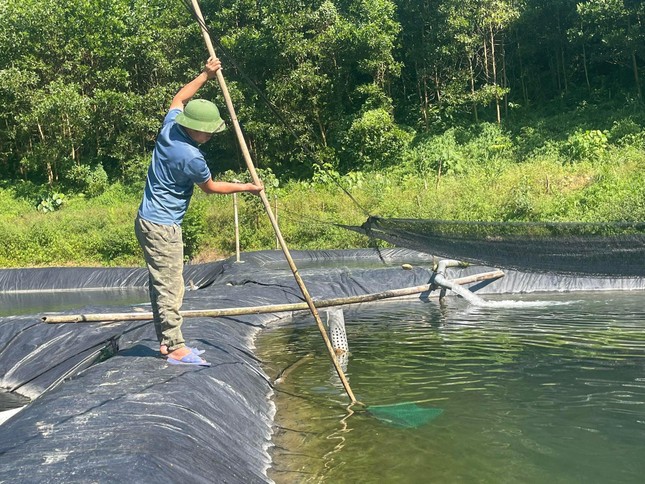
x: 478, y: 110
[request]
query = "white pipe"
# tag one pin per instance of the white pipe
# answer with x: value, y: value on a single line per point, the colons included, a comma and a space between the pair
x: 439, y: 279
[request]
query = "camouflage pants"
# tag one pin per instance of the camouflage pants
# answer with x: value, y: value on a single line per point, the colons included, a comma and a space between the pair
x: 163, y: 250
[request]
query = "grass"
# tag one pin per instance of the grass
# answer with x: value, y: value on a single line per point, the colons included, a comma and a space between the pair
x: 549, y: 169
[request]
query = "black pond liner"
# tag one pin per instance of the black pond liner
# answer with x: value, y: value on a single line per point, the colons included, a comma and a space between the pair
x: 107, y: 408
x: 11, y: 401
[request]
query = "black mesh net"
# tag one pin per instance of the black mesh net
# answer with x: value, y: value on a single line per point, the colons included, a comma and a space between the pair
x: 606, y: 249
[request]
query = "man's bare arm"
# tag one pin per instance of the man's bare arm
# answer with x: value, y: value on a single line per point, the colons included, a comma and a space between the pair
x: 189, y: 90
x: 226, y: 188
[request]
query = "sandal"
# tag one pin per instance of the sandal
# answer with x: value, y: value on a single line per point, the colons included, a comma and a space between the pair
x: 190, y: 359
x: 194, y: 350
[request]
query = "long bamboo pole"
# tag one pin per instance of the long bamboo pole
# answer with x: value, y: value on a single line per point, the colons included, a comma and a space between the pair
x: 267, y: 207
x: 275, y: 308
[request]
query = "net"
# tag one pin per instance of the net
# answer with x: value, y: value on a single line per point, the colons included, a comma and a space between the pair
x: 601, y: 249
x: 404, y: 415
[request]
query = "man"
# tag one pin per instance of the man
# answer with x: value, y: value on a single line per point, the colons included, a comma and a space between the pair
x: 177, y: 165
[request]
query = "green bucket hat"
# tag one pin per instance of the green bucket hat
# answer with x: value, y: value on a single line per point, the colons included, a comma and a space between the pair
x: 201, y: 115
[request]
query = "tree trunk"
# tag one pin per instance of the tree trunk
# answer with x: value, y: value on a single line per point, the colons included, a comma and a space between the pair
x: 558, y: 83
x: 472, y: 88
x: 564, y: 66
x: 636, y: 79
x: 437, y: 85
x: 494, y: 66
x: 321, y: 127
x: 421, y: 93
x: 584, y: 62
x: 564, y: 69
x: 525, y: 93
x: 48, y: 165
x: 504, y: 79
x: 71, y: 139
x: 486, y: 70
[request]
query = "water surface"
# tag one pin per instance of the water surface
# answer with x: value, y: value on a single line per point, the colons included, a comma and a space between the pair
x: 545, y: 388
x: 32, y: 302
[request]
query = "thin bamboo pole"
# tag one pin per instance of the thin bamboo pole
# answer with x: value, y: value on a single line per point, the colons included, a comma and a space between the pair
x: 275, y: 205
x: 275, y: 308
x: 237, y: 229
x: 267, y: 206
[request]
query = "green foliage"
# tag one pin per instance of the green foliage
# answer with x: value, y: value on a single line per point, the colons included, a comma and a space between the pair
x: 437, y: 154
x: 99, y: 230
x: 518, y: 108
x: 194, y: 226
x: 51, y: 202
x: 88, y: 180
x: 487, y: 143
x: 115, y: 195
x: 13, y: 203
x: 456, y: 151
x: 266, y: 175
x: 614, y: 28
x: 347, y: 77
x: 586, y: 145
x: 374, y: 141
x: 519, y: 204
x: 325, y: 174
x: 134, y: 170
x: 90, y: 94
x: 625, y: 132
x: 117, y: 246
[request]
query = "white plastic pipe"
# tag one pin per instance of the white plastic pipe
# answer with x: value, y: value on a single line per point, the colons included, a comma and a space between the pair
x: 439, y: 279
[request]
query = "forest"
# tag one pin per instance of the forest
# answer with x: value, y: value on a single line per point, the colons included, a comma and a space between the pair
x: 349, y: 90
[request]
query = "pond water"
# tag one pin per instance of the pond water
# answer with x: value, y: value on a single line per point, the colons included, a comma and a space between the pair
x: 17, y: 303
x: 547, y: 388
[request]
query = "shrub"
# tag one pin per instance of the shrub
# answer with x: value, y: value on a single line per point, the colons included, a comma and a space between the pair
x: 519, y: 203
x: 487, y: 142
x: 50, y: 202
x: 626, y: 132
x: 117, y: 245
x: 374, y: 140
x: 134, y: 169
x: 438, y: 153
x: 11, y: 204
x: 586, y: 145
x: 194, y: 226
x: 97, y: 182
x: 91, y: 181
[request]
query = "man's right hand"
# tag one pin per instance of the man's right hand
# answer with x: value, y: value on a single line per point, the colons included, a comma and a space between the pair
x: 254, y: 189
x: 212, y: 66
x: 188, y: 91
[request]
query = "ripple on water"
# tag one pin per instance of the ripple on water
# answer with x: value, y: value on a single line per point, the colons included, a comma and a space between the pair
x: 548, y: 389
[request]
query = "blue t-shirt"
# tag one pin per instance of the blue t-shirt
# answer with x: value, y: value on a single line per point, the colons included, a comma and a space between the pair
x: 177, y: 165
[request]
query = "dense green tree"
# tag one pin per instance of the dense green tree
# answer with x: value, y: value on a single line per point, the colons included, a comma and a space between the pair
x: 337, y: 83
x: 615, y: 29
x: 319, y: 64
x: 82, y: 81
x: 455, y: 54
x: 430, y: 58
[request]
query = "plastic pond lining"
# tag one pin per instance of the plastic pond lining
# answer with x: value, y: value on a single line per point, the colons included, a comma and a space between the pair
x: 106, y: 408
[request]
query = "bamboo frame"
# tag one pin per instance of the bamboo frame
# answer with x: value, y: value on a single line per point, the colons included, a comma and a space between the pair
x: 276, y: 308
